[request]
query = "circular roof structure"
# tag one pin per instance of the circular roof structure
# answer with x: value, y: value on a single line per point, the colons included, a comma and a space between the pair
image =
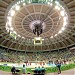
x: 18, y: 19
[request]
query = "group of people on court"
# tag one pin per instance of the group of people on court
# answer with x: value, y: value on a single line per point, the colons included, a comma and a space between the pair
x: 14, y: 70
x: 38, y: 70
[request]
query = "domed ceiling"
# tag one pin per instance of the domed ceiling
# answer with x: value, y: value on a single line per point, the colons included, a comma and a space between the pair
x: 55, y: 19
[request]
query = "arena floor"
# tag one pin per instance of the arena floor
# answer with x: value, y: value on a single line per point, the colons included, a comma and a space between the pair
x: 68, y: 72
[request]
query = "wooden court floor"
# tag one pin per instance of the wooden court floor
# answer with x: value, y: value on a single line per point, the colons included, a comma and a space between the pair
x: 68, y: 72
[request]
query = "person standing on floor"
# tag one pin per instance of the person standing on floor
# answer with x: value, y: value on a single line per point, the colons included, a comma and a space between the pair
x: 24, y: 69
x: 13, y: 69
x: 58, y: 64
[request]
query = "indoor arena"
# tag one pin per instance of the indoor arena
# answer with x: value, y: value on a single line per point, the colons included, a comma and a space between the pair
x: 37, y: 37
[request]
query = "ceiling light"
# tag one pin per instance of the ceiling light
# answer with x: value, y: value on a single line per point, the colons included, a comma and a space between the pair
x: 63, y: 28
x: 64, y: 23
x: 51, y: 37
x: 62, y: 8
x: 6, y: 27
x: 51, y: 0
x: 42, y: 39
x: 9, y: 18
x: 11, y: 29
x: 12, y: 7
x: 19, y: 35
x: 24, y: 4
x: 62, y: 13
x: 12, y: 12
x: 57, y: 3
x: 17, y: 7
x: 29, y: 1
x: 55, y: 35
x: 14, y: 32
x: 22, y: 0
x: 60, y: 31
x: 6, y: 24
x: 57, y: 7
x: 19, y: 2
x: 48, y: 3
x: 8, y: 30
x: 65, y: 18
x: 9, y: 23
x: 51, y: 4
x: 23, y: 37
